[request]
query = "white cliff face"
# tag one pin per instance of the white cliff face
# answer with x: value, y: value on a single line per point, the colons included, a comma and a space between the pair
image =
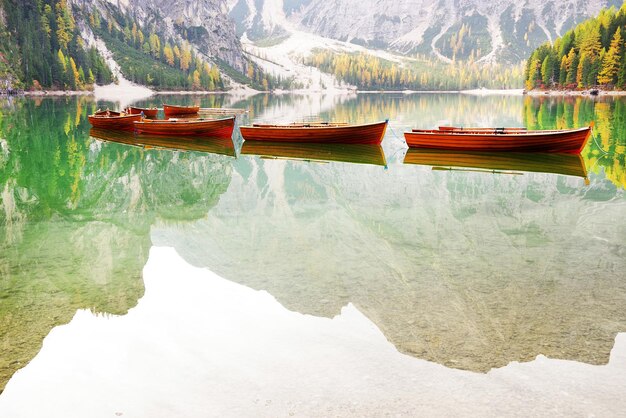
x: 203, y: 23
x: 502, y: 30
x: 206, y: 24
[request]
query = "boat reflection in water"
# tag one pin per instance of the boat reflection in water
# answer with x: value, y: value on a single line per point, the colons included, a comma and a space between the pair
x: 221, y: 146
x: 316, y: 152
x: 565, y: 164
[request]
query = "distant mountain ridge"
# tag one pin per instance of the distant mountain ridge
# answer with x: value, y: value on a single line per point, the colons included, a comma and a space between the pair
x: 499, y: 30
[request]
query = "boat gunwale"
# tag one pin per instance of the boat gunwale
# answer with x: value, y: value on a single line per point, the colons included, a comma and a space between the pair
x: 151, y: 109
x: 113, y: 116
x: 181, y: 107
x: 312, y: 126
x: 182, y: 121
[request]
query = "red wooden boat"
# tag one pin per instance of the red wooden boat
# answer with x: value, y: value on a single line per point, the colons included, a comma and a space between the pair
x: 171, y: 110
x: 150, y: 112
x: 568, y: 141
x: 218, y: 128
x: 107, y: 119
x: 324, y: 132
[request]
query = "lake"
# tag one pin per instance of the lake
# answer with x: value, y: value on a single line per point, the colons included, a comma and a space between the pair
x: 146, y: 278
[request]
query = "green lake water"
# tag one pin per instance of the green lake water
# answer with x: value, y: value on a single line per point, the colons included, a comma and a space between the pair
x: 469, y: 267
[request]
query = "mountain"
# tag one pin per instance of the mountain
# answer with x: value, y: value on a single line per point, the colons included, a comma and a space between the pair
x: 204, y: 23
x: 63, y: 44
x: 199, y: 44
x: 500, y: 30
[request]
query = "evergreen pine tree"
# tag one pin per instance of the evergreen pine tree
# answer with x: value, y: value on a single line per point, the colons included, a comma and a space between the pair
x: 548, y: 70
x: 563, y: 71
x: 621, y: 73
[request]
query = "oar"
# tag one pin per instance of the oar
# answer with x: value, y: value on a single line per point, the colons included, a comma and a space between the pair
x: 308, y: 160
x: 477, y: 170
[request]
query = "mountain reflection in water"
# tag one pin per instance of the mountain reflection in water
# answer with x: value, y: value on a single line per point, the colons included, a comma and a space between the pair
x: 75, y: 217
x: 470, y: 270
x: 197, y: 345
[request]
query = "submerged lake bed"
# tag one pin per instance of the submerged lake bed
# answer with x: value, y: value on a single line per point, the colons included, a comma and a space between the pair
x: 239, y: 280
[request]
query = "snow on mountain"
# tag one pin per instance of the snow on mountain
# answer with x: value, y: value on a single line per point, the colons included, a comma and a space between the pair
x: 285, y: 59
x: 500, y: 30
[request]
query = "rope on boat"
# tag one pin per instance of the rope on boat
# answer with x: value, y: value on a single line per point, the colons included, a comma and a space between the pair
x: 394, y: 134
x: 394, y: 157
x: 595, y: 140
x: 395, y: 154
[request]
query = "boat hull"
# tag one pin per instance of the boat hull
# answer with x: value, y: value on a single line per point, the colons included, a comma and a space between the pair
x: 171, y: 110
x: 117, y: 123
x: 217, y: 128
x: 349, y: 134
x: 566, y: 141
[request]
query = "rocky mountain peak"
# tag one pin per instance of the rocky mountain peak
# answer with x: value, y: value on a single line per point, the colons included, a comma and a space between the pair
x: 500, y: 30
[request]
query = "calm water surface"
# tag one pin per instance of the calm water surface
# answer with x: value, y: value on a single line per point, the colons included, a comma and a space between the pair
x: 470, y: 266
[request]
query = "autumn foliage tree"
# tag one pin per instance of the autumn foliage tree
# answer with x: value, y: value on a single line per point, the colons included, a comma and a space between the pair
x: 368, y: 72
x: 589, y: 55
x: 611, y: 62
x: 49, y: 48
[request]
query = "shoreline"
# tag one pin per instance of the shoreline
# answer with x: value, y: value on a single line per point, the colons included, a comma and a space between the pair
x: 253, y: 91
x: 575, y: 93
x: 57, y: 93
x: 98, y: 93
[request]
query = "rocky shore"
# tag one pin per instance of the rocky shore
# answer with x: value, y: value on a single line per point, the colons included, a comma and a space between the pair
x: 588, y: 92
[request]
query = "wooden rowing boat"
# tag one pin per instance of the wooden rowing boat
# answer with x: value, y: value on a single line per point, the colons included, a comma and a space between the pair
x: 218, y: 128
x: 325, y: 132
x: 221, y: 146
x: 565, y: 164
x: 569, y: 141
x: 171, y: 110
x: 150, y: 112
x: 350, y: 153
x: 107, y: 119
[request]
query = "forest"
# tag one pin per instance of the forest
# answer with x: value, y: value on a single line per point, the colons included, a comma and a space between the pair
x: 368, y: 72
x: 41, y: 47
x: 591, y: 55
x: 148, y: 57
x: 49, y: 52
